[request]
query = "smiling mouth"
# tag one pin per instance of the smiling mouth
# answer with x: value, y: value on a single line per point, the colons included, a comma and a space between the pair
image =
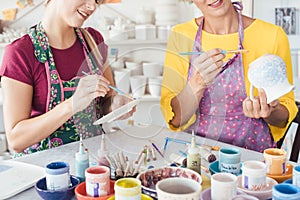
x: 216, y: 3
x: 83, y: 14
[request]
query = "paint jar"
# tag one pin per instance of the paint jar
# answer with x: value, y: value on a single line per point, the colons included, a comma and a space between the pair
x: 57, y: 176
x: 128, y: 189
x: 229, y: 160
x: 97, y: 180
x: 285, y: 191
x: 254, y: 175
x: 296, y: 176
x: 275, y: 160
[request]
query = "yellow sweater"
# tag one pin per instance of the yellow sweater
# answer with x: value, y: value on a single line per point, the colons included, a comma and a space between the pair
x: 259, y: 38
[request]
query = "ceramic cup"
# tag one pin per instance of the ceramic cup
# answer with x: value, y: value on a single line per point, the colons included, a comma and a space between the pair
x: 275, y: 160
x: 178, y: 188
x: 296, y: 176
x: 269, y: 72
x: 154, y: 84
x: 97, y: 180
x: 285, y: 191
x: 151, y: 69
x: 138, y: 85
x: 121, y: 77
x: 229, y: 160
x: 128, y: 189
x: 57, y: 176
x: 223, y: 186
x: 254, y: 175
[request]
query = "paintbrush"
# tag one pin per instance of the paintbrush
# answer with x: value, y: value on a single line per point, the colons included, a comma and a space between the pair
x: 115, y: 89
x: 215, y: 148
x: 156, y: 148
x: 223, y: 52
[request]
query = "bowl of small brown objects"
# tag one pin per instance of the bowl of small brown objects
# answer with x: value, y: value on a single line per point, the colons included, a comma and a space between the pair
x: 150, y: 177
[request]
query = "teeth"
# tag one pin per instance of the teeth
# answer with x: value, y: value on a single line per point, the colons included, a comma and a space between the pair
x: 82, y: 13
x: 214, y: 3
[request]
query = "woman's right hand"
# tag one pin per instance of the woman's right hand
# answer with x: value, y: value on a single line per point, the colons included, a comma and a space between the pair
x: 206, y: 67
x: 89, y: 87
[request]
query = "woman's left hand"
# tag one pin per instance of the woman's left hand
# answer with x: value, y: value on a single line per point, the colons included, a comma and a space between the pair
x: 120, y: 100
x: 258, y: 107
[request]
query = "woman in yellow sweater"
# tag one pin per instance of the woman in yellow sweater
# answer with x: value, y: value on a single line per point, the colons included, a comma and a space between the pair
x: 209, y: 93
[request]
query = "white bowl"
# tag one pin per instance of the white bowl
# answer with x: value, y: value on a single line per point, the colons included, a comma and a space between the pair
x: 150, y: 177
x: 265, y: 193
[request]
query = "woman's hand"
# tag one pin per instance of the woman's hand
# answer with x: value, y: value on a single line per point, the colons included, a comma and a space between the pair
x: 258, y: 107
x: 89, y: 87
x: 206, y: 67
x: 120, y: 100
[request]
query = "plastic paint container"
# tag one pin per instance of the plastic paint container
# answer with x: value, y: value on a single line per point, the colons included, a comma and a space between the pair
x: 128, y: 189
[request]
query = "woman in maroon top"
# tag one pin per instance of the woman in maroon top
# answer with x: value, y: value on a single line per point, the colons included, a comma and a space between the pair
x: 47, y: 101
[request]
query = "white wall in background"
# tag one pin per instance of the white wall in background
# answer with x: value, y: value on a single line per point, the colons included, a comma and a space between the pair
x: 265, y: 10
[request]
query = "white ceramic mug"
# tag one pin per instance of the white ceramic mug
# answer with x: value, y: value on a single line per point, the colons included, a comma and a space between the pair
x: 223, y: 186
x: 254, y: 175
x: 269, y: 73
x: 178, y: 188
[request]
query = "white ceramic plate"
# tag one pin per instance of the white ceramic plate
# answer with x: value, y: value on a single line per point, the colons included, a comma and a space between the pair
x: 117, y: 113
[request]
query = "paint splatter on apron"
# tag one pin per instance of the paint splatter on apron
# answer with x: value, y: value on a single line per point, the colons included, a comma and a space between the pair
x: 220, y: 114
x: 82, y: 122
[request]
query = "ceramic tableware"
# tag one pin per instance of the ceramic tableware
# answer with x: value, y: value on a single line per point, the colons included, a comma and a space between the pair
x: 223, y: 186
x: 178, y: 188
x: 269, y: 73
x: 122, y: 81
x: 154, y: 84
x: 68, y: 193
x: 214, y: 168
x: 283, y: 177
x: 262, y: 192
x: 206, y: 194
x: 138, y: 85
x: 81, y: 194
x: 150, y: 177
x: 229, y: 160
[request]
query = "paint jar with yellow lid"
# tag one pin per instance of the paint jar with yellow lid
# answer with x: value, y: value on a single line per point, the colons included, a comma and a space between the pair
x: 128, y: 189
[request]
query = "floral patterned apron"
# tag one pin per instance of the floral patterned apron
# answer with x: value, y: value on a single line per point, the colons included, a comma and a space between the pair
x: 220, y: 114
x: 82, y: 122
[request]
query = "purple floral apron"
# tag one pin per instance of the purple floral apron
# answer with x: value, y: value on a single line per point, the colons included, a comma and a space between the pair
x: 82, y: 122
x: 220, y: 114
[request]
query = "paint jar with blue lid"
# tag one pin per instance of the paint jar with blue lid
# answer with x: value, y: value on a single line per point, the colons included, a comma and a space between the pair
x: 285, y: 191
x: 57, y: 176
